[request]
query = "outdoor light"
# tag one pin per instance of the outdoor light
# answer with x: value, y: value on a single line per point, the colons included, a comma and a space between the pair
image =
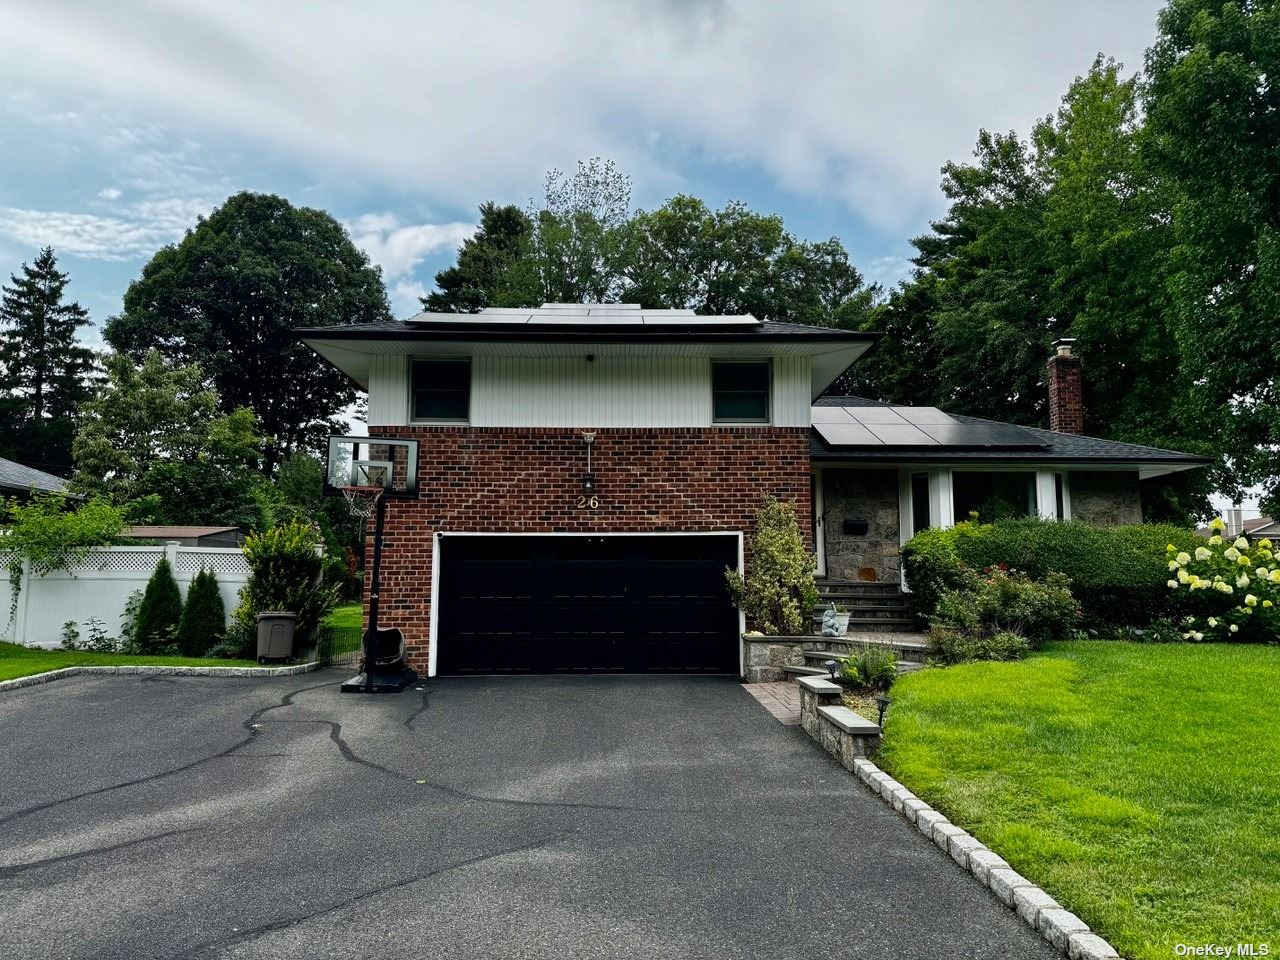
x: 588, y: 478
x: 588, y: 483
x: 882, y: 704
x: 831, y: 668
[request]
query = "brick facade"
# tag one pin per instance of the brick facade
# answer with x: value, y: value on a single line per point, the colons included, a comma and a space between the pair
x: 528, y: 480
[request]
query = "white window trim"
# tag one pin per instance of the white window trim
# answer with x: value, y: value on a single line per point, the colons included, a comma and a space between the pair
x: 768, y: 404
x: 442, y: 421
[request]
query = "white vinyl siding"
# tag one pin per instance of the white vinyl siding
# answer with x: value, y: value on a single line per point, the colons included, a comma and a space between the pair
x: 616, y: 391
x: 388, y: 391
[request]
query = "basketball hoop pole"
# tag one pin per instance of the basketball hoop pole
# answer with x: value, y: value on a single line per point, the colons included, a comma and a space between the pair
x: 375, y: 586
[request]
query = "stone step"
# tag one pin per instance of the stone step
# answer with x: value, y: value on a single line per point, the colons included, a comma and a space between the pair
x: 860, y: 607
x: 880, y: 623
x: 906, y: 646
x: 798, y: 671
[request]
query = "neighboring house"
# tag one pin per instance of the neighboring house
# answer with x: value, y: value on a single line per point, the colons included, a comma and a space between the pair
x: 1254, y: 528
x: 515, y: 556
x: 187, y: 536
x: 18, y: 480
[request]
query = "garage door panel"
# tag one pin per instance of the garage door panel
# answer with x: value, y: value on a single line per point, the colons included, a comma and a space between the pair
x: 586, y: 604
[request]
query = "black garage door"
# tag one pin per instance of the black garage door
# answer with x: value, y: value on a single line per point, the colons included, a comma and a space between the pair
x: 576, y: 604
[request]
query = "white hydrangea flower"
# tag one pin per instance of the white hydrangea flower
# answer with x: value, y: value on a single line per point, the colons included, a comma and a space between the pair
x: 1231, y: 553
x: 1242, y: 581
x: 1173, y: 584
x: 1234, y: 628
x: 1241, y: 543
x: 1183, y: 558
x: 1213, y: 621
x: 1203, y: 553
x: 1183, y: 576
x: 1215, y: 540
x: 1261, y: 573
x: 1173, y: 564
x: 1250, y: 600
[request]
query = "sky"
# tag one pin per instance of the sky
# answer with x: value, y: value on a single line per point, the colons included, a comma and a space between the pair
x: 122, y: 122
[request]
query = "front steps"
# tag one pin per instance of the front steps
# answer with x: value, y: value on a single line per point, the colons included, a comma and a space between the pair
x: 872, y: 606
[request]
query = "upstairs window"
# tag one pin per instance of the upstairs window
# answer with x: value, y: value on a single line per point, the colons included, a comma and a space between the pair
x: 441, y: 390
x: 740, y: 392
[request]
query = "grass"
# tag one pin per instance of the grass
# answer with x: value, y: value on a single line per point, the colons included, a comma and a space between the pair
x: 19, y: 661
x: 1137, y: 783
x: 345, y: 617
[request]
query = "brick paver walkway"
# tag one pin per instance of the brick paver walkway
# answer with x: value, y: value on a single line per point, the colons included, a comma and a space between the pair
x: 780, y: 699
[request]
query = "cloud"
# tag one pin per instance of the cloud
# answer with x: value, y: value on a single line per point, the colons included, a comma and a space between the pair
x: 853, y: 104
x: 137, y: 232
x: 406, y: 297
x: 399, y: 248
x: 110, y: 194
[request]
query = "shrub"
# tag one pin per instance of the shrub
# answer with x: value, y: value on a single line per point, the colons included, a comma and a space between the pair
x: 285, y: 573
x: 1006, y: 600
x: 70, y: 636
x: 870, y: 667
x: 1234, y: 588
x: 129, y: 623
x: 778, y: 593
x: 52, y: 532
x: 204, y: 618
x: 160, y: 610
x: 1118, y: 573
x: 951, y: 644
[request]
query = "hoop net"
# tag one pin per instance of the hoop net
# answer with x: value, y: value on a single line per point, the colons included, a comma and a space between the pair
x: 361, y: 500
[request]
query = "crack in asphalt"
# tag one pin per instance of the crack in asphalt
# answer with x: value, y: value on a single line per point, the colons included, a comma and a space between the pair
x: 253, y: 933
x: 247, y: 724
x: 252, y: 725
x: 412, y: 719
x: 13, y: 870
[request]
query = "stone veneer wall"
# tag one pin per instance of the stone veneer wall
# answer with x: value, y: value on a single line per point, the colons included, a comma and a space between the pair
x: 528, y: 480
x: 857, y: 494
x: 1107, y: 498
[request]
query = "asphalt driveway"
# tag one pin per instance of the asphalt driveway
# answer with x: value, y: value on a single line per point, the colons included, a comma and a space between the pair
x: 505, y: 817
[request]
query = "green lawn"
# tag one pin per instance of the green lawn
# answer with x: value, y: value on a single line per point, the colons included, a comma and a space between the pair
x: 1139, y: 784
x: 20, y: 661
x: 346, y: 617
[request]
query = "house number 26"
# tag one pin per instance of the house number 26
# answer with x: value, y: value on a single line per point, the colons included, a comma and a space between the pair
x: 589, y: 503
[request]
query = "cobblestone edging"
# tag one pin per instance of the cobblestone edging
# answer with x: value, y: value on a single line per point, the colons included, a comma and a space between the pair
x: 1041, y: 912
x: 38, y: 678
x: 850, y: 738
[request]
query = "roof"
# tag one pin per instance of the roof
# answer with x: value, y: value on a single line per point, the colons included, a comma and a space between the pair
x: 1044, y: 446
x: 603, y: 330
x: 160, y: 532
x: 15, y: 476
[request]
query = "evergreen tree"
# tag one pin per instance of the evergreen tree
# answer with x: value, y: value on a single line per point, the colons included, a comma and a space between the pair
x: 204, y: 617
x: 44, y: 370
x: 160, y: 611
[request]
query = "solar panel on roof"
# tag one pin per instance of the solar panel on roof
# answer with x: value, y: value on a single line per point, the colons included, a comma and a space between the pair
x: 847, y: 435
x: 913, y: 428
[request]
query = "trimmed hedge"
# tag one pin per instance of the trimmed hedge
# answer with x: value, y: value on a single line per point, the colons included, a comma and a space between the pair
x: 1118, y: 574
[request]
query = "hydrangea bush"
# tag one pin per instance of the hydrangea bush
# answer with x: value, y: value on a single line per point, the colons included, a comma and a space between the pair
x: 1238, y: 581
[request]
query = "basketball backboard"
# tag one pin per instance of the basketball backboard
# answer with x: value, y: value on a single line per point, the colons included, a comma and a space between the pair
x: 385, y: 462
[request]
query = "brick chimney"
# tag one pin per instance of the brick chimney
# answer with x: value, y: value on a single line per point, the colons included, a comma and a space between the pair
x: 1066, y: 404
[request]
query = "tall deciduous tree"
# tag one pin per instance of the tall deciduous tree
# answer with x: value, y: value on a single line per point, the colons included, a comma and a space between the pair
x: 228, y: 296
x: 153, y: 439
x: 44, y: 369
x: 1213, y: 103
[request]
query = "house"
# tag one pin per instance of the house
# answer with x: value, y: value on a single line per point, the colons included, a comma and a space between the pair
x: 187, y: 536
x: 22, y: 481
x: 588, y: 471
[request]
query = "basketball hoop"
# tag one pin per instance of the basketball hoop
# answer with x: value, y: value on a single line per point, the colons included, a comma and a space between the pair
x: 361, y: 501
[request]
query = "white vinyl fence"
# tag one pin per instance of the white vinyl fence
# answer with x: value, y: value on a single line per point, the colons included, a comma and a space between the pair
x: 102, y: 585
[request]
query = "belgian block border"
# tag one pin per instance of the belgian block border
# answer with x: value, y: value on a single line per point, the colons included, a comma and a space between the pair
x: 159, y: 671
x: 824, y: 717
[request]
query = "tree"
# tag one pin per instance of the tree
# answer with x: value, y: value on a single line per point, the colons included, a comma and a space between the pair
x: 153, y: 438
x: 44, y: 370
x: 228, y: 296
x: 489, y: 268
x: 160, y: 611
x: 204, y: 617
x: 1213, y: 96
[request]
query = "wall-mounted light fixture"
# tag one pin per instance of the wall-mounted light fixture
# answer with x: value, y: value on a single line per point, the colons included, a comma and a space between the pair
x: 588, y: 478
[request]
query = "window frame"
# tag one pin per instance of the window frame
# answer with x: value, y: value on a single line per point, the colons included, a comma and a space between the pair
x: 767, y: 419
x: 413, y: 391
